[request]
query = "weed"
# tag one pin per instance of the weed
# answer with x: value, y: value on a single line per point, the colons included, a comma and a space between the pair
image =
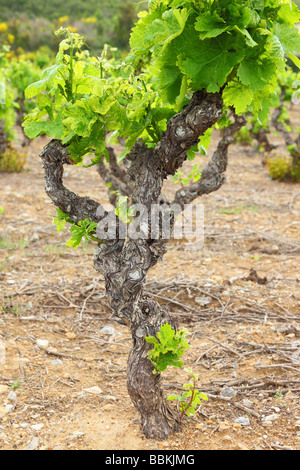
x: 167, y: 351
x: 12, y: 161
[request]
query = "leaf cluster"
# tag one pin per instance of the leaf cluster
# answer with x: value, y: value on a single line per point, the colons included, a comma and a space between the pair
x: 82, y: 99
x: 238, y: 46
x: 84, y: 229
x: 168, y: 348
x: 191, y: 398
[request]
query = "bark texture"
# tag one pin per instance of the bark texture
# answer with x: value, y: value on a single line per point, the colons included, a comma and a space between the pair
x: 3, y: 143
x: 286, y: 134
x: 125, y: 263
x: 116, y: 176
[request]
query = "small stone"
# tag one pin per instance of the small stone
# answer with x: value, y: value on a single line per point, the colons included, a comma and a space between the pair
x: 37, y: 427
x: 224, y: 427
x: 242, y: 421
x: 108, y: 330
x: 93, y: 390
x: 70, y: 335
x: 203, y: 301
x: 29, y: 221
x: 33, y: 444
x: 12, y: 396
x: 42, y: 343
x: 76, y: 435
x: 236, y: 425
x: 199, y: 426
x: 9, y: 408
x: 57, y: 362
x: 270, y: 418
x: 110, y: 398
x: 24, y: 425
x: 227, y: 392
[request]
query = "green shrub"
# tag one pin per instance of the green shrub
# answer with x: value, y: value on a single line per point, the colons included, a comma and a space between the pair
x: 281, y: 168
x: 12, y: 161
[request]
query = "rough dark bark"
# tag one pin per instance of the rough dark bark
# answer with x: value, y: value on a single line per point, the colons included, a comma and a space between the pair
x: 3, y: 142
x: 144, y: 387
x: 184, y: 129
x: 262, y: 138
x: 55, y: 156
x: 125, y: 263
x: 213, y: 175
x: 116, y: 176
x: 286, y: 134
x: 280, y: 126
x: 21, y: 112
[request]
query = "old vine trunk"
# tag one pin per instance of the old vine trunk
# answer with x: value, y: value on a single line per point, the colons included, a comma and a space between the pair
x: 125, y: 263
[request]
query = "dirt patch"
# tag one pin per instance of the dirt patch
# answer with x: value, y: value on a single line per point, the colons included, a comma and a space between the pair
x: 69, y: 391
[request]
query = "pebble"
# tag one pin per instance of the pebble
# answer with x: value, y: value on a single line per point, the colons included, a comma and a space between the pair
x: 227, y: 392
x: 57, y: 362
x: 203, y: 301
x: 29, y: 221
x: 224, y: 427
x: 93, y: 390
x: 12, y: 396
x: 9, y: 408
x: 24, y: 425
x: 70, y: 335
x: 76, y: 435
x: 108, y: 330
x: 242, y: 421
x: 37, y: 427
x: 270, y: 418
x: 42, y: 343
x: 33, y: 444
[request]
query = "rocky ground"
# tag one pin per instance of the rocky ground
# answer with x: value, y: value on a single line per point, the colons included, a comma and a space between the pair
x: 63, y: 359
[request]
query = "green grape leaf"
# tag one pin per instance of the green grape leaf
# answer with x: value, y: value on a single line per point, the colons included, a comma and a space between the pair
x: 239, y: 96
x: 289, y: 37
x: 257, y: 75
x: 209, y: 62
x: 53, y: 128
x: 210, y: 25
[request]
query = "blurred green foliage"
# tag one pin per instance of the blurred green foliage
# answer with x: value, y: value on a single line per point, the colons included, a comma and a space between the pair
x: 30, y: 23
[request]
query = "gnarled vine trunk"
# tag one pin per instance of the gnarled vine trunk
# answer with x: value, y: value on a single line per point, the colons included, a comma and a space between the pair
x: 3, y: 142
x: 125, y: 263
